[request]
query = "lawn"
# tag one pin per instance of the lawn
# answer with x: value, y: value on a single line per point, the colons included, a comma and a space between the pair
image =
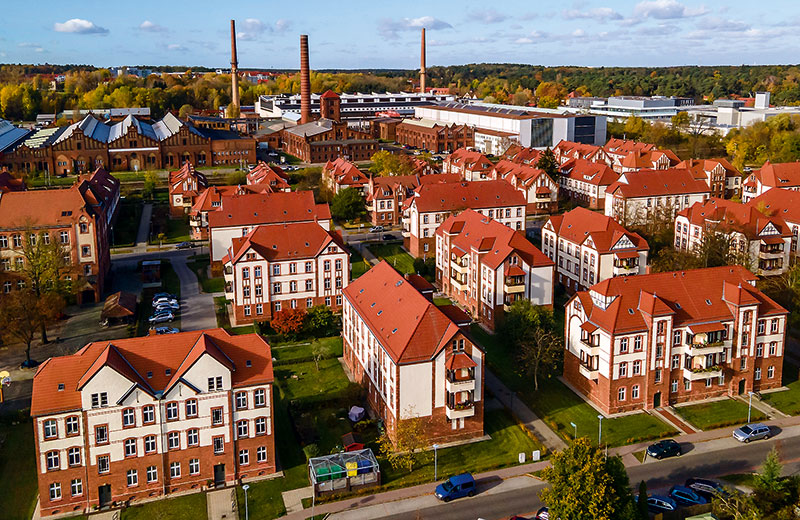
x: 174, y: 229
x: 395, y: 255
x: 186, y: 507
x: 559, y: 406
x: 303, y: 382
x: 300, y: 352
x: 358, y: 265
x: 199, y: 264
x: 127, y: 224
x: 787, y: 401
x: 17, y: 466
x: 144, y: 309
x: 717, y: 414
x: 442, y: 301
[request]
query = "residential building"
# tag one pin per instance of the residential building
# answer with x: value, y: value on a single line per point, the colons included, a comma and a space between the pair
x: 341, y: 174
x: 653, y: 340
x: 270, y: 175
x: 589, y: 247
x: 764, y: 243
x: 469, y: 164
x: 284, y: 266
x: 522, y: 155
x: 617, y: 149
x: 541, y: 192
x: 211, y: 200
x: 784, y: 204
x: 647, y: 160
x: 586, y: 182
x: 426, y: 134
x: 485, y: 267
x: 568, y: 150
x: 239, y: 214
x: 414, y: 361
x: 433, y: 203
x: 386, y: 196
x: 132, y: 419
x: 79, y: 218
x: 424, y: 167
x: 184, y: 187
x: 771, y: 175
x: 724, y: 181
x: 653, y: 194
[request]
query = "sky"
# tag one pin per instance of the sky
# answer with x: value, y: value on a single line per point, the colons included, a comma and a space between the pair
x: 385, y: 34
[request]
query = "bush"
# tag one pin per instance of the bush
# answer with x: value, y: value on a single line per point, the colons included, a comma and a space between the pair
x: 364, y: 425
x: 312, y: 450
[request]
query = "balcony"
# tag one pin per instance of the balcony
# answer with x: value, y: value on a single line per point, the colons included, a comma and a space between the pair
x: 588, y: 370
x: 459, y: 267
x: 625, y: 270
x: 453, y: 384
x: 459, y: 284
x: 701, y: 374
x: 459, y: 410
x: 228, y: 291
x: 227, y: 272
x: 514, y: 284
x: 771, y: 251
x: 702, y: 349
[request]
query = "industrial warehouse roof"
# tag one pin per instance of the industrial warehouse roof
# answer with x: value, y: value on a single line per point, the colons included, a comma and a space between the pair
x: 10, y: 134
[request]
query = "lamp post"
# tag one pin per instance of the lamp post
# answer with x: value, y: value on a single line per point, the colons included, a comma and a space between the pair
x: 246, y: 512
x: 435, y: 462
x: 575, y: 426
x: 600, y: 431
x: 749, y: 405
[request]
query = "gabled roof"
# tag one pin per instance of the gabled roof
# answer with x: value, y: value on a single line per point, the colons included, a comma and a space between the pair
x: 522, y: 155
x: 701, y: 167
x: 453, y: 196
x: 657, y: 183
x: 298, y: 240
x: 728, y: 215
x: 266, y: 170
x: 571, y: 148
x: 187, y: 172
x: 581, y: 224
x: 779, y: 175
x: 595, y: 173
x: 649, y: 158
x: 345, y: 173
x: 268, y: 208
x: 470, y: 160
x: 778, y: 203
x: 622, y: 147
x: 519, y: 174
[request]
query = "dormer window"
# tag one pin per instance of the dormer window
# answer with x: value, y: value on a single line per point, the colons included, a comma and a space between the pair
x: 99, y: 400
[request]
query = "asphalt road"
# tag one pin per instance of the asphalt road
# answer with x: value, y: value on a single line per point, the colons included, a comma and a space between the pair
x: 660, y: 475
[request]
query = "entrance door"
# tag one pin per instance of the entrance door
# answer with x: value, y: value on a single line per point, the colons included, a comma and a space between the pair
x: 657, y: 400
x: 741, y: 387
x: 104, y: 495
x: 219, y: 475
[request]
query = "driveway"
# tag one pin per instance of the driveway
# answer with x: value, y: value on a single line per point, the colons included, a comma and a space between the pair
x: 197, y: 309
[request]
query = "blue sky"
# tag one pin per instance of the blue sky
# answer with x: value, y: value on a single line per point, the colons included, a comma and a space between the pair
x: 384, y: 34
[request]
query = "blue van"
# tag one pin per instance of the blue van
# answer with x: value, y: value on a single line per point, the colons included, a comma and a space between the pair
x: 456, y: 487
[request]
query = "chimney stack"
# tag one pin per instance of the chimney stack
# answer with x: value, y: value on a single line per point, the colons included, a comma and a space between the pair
x: 305, y: 82
x: 234, y: 67
x: 422, y: 76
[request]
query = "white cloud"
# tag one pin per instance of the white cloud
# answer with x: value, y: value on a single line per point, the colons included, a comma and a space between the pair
x: 177, y: 47
x: 149, y: 26
x: 578, y: 33
x: 599, y: 14
x: 390, y: 28
x: 79, y: 26
x: 253, y: 28
x: 488, y: 16
x: 523, y: 40
x: 35, y: 47
x: 282, y: 25
x: 724, y: 25
x: 667, y: 9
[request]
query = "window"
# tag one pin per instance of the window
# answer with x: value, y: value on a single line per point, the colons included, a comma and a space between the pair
x: 3, y: 241
x: 175, y: 470
x: 17, y: 239
x: 241, y: 400
x: 261, y: 454
x: 773, y: 347
x: 292, y: 268
x: 174, y: 440
x: 50, y: 429
x: 621, y: 394
x: 148, y: 414
x: 150, y: 444
x: 86, y: 250
x: 194, y: 466
x: 759, y: 350
x: 244, y: 457
x: 743, y: 364
x: 99, y: 400
x: 276, y: 288
x: 259, y: 290
x: 241, y: 428
x: 687, y: 385
x: 623, y: 345
x: 84, y: 227
x: 172, y: 411
x: 246, y: 291
x: 327, y: 265
x: 257, y: 271
x: 76, y: 487
x: 261, y: 425
x: 55, y: 491
x: 128, y: 418
x: 757, y: 374
x: 637, y: 344
x: 771, y: 372
x: 309, y: 267
x: 673, y: 387
x: 193, y: 437
x: 773, y: 326
x: 219, y: 445
x: 637, y: 368
x: 338, y: 265
x: 245, y: 273
x: 259, y: 308
x: 260, y: 397
x: 133, y: 477
x: 130, y: 447
x: 101, y: 434
x: 309, y: 285
x: 53, y: 461
x: 276, y: 269
x: 214, y: 383
x: 72, y: 425
x: 676, y: 338
x: 676, y: 361
x: 103, y: 465
x: 623, y: 369
x: 709, y: 382
x: 657, y: 377
x: 761, y: 326
x: 191, y: 408
x: 64, y: 237
x: 635, y: 392
x: 152, y: 474
x: 293, y: 286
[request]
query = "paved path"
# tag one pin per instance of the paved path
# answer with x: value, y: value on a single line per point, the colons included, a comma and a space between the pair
x: 197, y: 309
x: 293, y: 499
x: 144, y: 228
x: 222, y: 504
x: 669, y: 416
x: 519, y: 409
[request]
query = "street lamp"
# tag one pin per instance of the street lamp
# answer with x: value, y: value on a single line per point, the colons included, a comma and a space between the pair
x: 575, y: 426
x: 600, y: 430
x: 246, y: 512
x: 435, y: 462
x: 749, y: 405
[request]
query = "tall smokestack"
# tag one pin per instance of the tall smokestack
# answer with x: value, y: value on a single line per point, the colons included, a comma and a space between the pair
x: 234, y: 67
x: 305, y: 82
x: 422, y: 75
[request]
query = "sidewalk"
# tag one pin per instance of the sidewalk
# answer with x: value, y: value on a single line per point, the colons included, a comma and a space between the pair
x: 221, y: 504
x: 143, y: 232
x: 668, y: 415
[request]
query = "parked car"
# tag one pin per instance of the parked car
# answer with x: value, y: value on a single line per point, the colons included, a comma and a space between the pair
x: 752, y: 432
x: 665, y: 448
x: 161, y: 317
x: 389, y: 236
x: 543, y: 514
x: 705, y: 487
x: 167, y: 306
x: 185, y: 245
x: 660, y: 504
x: 167, y: 295
x: 166, y: 330
x: 376, y: 229
x: 685, y: 496
x: 456, y: 487
x: 164, y: 300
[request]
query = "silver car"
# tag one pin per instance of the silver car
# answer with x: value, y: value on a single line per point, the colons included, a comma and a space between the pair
x: 751, y: 432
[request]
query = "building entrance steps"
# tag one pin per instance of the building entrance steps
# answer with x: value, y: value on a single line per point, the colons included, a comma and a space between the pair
x: 669, y: 416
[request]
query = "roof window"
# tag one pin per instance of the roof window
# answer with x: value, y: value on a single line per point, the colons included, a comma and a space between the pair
x: 708, y: 302
x: 394, y: 330
x: 60, y: 387
x: 149, y: 375
x: 248, y: 363
x: 168, y: 371
x: 630, y: 311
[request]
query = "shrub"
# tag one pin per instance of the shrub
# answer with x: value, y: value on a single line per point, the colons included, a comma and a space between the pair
x: 312, y: 450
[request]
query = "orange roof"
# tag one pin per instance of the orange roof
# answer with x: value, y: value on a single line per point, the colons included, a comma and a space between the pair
x: 581, y: 224
x: 206, y: 201
x: 265, y: 169
x: 408, y: 325
x: 297, y: 240
x: 470, y: 160
x: 522, y: 155
x: 268, y: 208
x: 780, y: 203
x: 733, y: 216
x: 596, y: 173
x: 145, y: 361
x: 329, y: 94
x: 622, y: 147
x: 693, y: 296
x: 187, y: 172
x: 458, y: 361
x: 522, y: 174
x: 779, y: 175
x: 701, y: 166
x: 453, y: 196
x: 657, y: 183
x: 570, y: 148
x: 648, y: 158
x: 345, y: 173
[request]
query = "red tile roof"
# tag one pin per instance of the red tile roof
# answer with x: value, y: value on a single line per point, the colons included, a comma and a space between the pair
x: 657, y: 183
x: 265, y: 169
x: 408, y: 325
x: 185, y: 174
x: 457, y: 196
x: 596, y: 173
x: 345, y: 173
x: 570, y: 148
x: 581, y: 224
x: 522, y: 155
x: 780, y: 203
x: 779, y: 175
x: 329, y: 94
x: 297, y: 240
x: 622, y: 147
x: 470, y: 160
x: 134, y: 358
x: 268, y: 208
x: 701, y: 166
x: 518, y: 173
x: 458, y: 361
x: 728, y: 215
x: 648, y: 158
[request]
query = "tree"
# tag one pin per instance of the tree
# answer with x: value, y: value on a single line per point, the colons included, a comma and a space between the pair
x: 185, y: 111
x: 347, y: 204
x: 23, y: 313
x: 769, y: 479
x: 321, y: 321
x: 586, y: 484
x: 641, y: 502
x: 288, y: 322
x: 530, y: 329
x: 734, y: 505
x: 409, y: 447
x: 547, y: 163
x: 236, y: 178
x: 319, y: 351
x: 149, y: 187
x: 385, y: 163
x: 232, y: 110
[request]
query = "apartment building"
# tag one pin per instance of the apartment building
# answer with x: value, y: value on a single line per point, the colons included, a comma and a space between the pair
x: 184, y: 187
x: 763, y: 242
x: 586, y: 181
x: 724, y: 181
x: 647, y: 160
x: 568, y: 150
x: 211, y: 200
x: 433, y: 203
x: 653, y: 194
x: 588, y: 247
x: 79, y: 218
x: 784, y: 204
x: 617, y: 149
x: 771, y: 175
x: 486, y: 266
x: 641, y: 342
x: 132, y: 419
x: 414, y: 361
x: 271, y: 174
x: 470, y: 165
x: 386, y: 195
x: 341, y: 174
x: 522, y: 155
x: 541, y: 192
x: 284, y: 266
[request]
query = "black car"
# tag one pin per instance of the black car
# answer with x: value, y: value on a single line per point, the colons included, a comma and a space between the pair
x: 665, y: 448
x: 389, y: 236
x: 705, y: 488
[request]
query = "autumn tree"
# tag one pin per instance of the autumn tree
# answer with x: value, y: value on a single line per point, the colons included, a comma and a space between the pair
x: 23, y: 314
x: 288, y: 322
x: 388, y: 163
x: 531, y: 332
x: 409, y: 447
x: 149, y: 187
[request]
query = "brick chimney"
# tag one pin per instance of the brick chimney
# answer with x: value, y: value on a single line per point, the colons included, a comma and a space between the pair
x: 234, y: 67
x: 305, y: 82
x: 422, y: 74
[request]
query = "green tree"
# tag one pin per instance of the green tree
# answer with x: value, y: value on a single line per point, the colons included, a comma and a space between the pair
x: 149, y: 186
x: 236, y: 178
x: 321, y: 321
x: 385, y: 163
x: 769, y: 479
x: 409, y: 447
x: 348, y: 204
x: 547, y: 163
x: 539, y: 347
x: 23, y: 314
x: 641, y: 502
x: 185, y: 111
